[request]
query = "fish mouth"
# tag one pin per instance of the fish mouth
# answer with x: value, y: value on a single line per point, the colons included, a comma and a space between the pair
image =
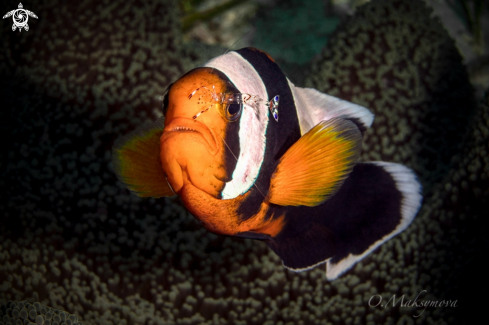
x: 191, y: 127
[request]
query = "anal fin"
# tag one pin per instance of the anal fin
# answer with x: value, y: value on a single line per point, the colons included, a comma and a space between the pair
x: 303, y: 246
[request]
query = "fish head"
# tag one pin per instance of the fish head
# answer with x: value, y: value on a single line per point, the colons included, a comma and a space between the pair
x: 192, y: 143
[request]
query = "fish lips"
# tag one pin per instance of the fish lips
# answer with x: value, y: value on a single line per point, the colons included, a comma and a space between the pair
x: 182, y: 125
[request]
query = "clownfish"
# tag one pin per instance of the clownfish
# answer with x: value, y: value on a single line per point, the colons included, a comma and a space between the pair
x: 251, y: 155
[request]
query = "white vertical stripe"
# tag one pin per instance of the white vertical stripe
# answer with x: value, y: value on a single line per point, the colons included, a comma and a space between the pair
x: 253, y: 122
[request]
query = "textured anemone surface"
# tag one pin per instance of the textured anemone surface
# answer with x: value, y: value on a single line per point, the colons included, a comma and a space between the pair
x: 410, y: 75
x: 25, y: 313
x: 71, y: 237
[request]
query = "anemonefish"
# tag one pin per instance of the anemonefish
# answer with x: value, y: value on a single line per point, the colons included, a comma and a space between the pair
x: 251, y: 155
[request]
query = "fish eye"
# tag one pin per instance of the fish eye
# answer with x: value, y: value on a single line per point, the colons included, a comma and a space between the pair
x: 233, y: 105
x: 234, y: 109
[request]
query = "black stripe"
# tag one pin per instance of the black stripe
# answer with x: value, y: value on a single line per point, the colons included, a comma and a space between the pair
x: 280, y: 136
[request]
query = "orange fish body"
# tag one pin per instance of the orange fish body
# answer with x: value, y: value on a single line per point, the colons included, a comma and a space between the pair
x: 251, y: 155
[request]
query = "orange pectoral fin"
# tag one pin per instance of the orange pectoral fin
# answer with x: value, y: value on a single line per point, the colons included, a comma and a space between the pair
x: 315, y: 167
x: 137, y: 164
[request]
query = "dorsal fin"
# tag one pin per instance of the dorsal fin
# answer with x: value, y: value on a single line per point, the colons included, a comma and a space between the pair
x: 315, y: 167
x: 261, y: 51
x: 314, y: 106
x: 137, y: 163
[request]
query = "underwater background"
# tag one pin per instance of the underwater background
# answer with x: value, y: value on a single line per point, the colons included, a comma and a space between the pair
x: 73, y: 238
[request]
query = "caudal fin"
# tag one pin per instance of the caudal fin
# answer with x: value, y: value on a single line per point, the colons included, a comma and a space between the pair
x: 395, y: 214
x: 377, y: 201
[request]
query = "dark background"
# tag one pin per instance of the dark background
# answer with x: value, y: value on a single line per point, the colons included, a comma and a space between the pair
x: 72, y: 237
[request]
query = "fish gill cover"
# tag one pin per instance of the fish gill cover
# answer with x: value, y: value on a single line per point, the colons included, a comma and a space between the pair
x: 71, y: 237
